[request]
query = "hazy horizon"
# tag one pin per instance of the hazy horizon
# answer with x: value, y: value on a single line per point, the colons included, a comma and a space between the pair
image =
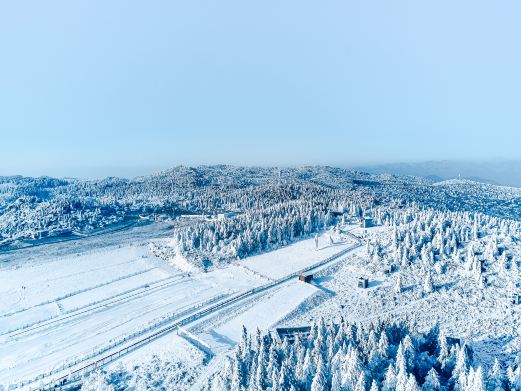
x: 94, y: 87
x: 495, y: 171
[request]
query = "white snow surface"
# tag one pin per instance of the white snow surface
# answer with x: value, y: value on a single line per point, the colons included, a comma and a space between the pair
x: 297, y: 256
x: 57, y: 309
x: 265, y: 313
x: 74, y: 304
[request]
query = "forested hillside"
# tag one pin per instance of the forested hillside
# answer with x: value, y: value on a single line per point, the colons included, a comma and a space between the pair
x: 33, y: 208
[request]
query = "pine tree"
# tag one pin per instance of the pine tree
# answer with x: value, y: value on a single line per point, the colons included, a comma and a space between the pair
x: 218, y: 384
x: 308, y: 370
x: 411, y: 385
x: 389, y: 382
x: 515, y: 379
x: 432, y: 381
x: 284, y: 382
x: 383, y: 345
x: 443, y: 349
x: 409, y: 351
x: 273, y: 361
x: 478, y: 383
x: 251, y: 372
x: 321, y: 367
x: 227, y: 372
x: 503, y: 261
x: 237, y: 380
x: 336, y: 379
x: 360, y: 383
x: 274, y: 378
x: 244, y: 341
x: 476, y: 229
x: 401, y: 369
x: 468, y: 382
x: 350, y: 368
x: 319, y: 381
x: 401, y: 364
x: 398, y: 285
x: 470, y: 258
x: 496, y: 378
x: 459, y: 373
x: 260, y: 377
x: 427, y: 285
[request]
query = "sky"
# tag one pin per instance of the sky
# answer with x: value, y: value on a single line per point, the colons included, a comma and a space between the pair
x: 96, y: 88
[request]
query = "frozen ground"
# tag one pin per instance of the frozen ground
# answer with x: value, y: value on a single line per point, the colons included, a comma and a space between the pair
x: 34, y: 284
x: 279, y: 263
x: 266, y: 312
x: 78, y: 302
x: 57, y: 309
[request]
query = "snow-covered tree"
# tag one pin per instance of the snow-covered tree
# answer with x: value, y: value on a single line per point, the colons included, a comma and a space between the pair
x: 432, y: 381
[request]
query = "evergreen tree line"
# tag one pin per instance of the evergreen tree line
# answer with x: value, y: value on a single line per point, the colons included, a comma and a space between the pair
x: 431, y: 237
x: 359, y: 357
x: 23, y: 201
x: 253, y: 232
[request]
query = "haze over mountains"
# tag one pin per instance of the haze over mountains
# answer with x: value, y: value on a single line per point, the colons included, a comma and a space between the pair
x: 498, y: 172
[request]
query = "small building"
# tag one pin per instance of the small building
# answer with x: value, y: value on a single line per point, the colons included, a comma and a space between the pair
x: 516, y: 298
x: 225, y: 215
x: 363, y: 282
x: 291, y: 333
x: 306, y: 277
x: 366, y: 222
x: 389, y: 269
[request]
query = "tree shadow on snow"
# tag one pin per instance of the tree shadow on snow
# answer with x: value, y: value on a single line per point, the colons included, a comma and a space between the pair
x: 485, y: 350
x: 222, y: 338
x: 320, y: 280
x: 409, y: 288
x: 324, y: 289
x: 446, y: 285
x: 374, y: 283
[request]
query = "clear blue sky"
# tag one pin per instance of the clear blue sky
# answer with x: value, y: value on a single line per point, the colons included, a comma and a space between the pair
x: 90, y: 88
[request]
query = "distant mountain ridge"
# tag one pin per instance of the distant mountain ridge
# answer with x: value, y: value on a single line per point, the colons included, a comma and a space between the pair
x: 498, y: 172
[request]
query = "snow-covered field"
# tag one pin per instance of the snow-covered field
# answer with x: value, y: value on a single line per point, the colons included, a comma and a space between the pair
x: 282, y: 262
x: 58, y: 309
x: 266, y: 312
x: 70, y: 308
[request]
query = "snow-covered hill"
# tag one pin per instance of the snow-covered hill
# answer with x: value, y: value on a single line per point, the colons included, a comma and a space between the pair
x: 165, y: 250
x: 39, y: 208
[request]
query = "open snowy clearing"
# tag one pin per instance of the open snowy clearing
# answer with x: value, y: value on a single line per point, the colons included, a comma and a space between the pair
x: 90, y: 331
x: 267, y: 311
x: 66, y: 307
x: 29, y: 286
x: 281, y: 262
